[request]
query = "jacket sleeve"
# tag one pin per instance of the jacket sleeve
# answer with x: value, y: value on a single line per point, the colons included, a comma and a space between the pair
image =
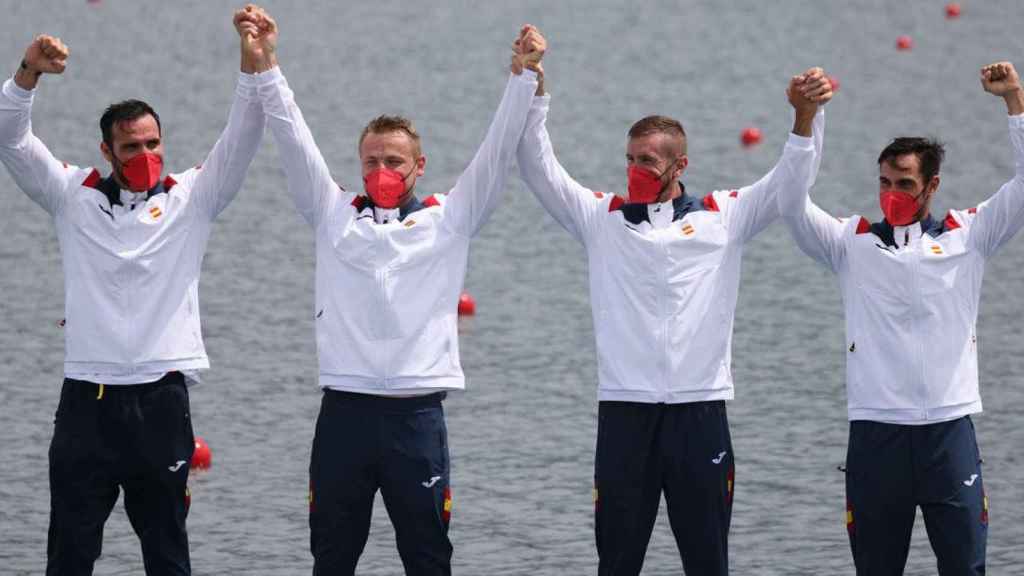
x: 478, y: 190
x: 34, y: 169
x: 997, y: 219
x: 755, y: 207
x: 818, y: 234
x: 220, y: 176
x: 572, y: 205
x: 309, y: 179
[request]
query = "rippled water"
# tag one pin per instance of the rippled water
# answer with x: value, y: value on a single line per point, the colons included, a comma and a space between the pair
x: 522, y: 436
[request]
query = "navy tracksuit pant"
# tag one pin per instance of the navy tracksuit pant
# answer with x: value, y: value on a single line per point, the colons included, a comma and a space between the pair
x: 891, y: 469
x: 137, y: 438
x: 643, y: 449
x: 397, y: 445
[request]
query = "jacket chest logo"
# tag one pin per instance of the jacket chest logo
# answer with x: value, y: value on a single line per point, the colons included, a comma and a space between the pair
x: 687, y: 229
x: 155, y: 212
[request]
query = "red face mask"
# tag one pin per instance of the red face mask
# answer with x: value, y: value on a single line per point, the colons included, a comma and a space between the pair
x: 899, y: 208
x: 644, y: 186
x: 142, y: 171
x: 386, y: 187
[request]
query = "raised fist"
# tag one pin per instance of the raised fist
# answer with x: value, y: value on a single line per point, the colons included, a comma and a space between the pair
x: 1000, y: 79
x: 46, y: 55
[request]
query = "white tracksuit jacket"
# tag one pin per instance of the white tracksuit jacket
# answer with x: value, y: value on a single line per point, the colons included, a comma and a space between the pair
x: 387, y: 294
x: 912, y: 301
x: 663, y: 297
x: 131, y: 276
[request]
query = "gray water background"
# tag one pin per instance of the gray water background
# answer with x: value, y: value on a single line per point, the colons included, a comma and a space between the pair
x: 522, y: 435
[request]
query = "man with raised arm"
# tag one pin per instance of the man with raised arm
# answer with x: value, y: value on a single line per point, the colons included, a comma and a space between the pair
x: 664, y: 274
x: 389, y: 271
x: 132, y: 244
x: 910, y: 286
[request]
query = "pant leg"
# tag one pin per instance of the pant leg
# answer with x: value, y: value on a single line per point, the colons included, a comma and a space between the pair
x: 414, y: 478
x: 342, y: 484
x: 698, y: 481
x: 952, y: 495
x: 159, y: 423
x: 880, y: 497
x: 627, y: 484
x: 83, y: 482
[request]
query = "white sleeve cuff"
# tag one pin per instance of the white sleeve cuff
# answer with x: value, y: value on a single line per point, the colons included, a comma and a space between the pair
x: 260, y: 78
x: 803, y: 142
x: 17, y: 93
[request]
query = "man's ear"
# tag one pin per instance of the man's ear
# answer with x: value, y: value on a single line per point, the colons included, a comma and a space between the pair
x: 681, y: 163
x: 106, y: 152
x: 421, y: 166
x: 933, y: 186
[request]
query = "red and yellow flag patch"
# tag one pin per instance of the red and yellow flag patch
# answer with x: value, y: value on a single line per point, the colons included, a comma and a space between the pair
x: 155, y: 212
x: 446, y: 512
x: 984, y: 508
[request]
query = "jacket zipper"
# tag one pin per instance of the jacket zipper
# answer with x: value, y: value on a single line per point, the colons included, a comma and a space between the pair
x: 917, y: 315
x: 663, y: 312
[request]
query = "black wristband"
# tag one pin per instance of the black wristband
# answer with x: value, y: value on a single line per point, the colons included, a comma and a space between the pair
x: 24, y: 66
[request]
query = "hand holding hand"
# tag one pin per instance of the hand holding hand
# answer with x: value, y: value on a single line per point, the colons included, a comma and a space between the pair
x: 809, y: 90
x: 258, y: 34
x: 806, y: 92
x: 527, y: 52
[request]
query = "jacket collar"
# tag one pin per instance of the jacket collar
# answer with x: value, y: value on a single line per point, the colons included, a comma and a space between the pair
x: 636, y: 213
x: 404, y: 210
x: 112, y: 190
x: 929, y: 226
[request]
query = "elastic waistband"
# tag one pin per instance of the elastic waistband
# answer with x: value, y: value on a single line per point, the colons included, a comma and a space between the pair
x: 169, y: 378
x: 679, y: 407
x: 385, y: 403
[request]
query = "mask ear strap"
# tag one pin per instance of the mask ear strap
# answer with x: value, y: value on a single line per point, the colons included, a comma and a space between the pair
x: 117, y: 165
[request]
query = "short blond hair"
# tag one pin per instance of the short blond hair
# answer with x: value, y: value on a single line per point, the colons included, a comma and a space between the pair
x: 661, y: 125
x: 384, y: 124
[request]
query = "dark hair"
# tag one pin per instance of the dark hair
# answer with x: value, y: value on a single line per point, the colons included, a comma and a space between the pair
x: 928, y: 151
x: 126, y: 111
x: 659, y: 124
x: 385, y: 123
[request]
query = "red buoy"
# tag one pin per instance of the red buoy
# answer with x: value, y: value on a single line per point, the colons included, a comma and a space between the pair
x: 834, y: 82
x: 952, y: 10
x: 201, y: 457
x: 750, y: 136
x: 467, y: 306
x: 904, y: 43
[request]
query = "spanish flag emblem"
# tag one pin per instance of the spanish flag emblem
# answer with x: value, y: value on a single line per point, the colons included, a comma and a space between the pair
x: 155, y: 212
x: 936, y: 249
x: 446, y: 512
x: 687, y: 229
x: 984, y: 508
x: 730, y: 481
x: 849, y: 517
